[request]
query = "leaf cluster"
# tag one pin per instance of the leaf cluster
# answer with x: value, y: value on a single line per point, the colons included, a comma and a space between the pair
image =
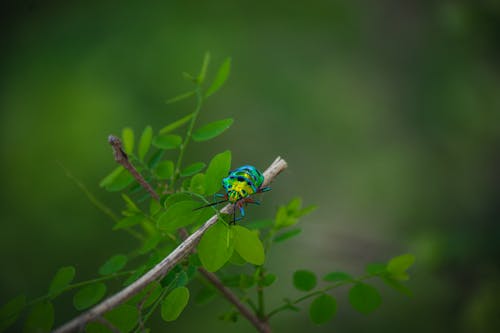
x: 236, y: 253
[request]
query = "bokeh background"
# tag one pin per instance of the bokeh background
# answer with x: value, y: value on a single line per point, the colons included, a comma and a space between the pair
x: 387, y: 111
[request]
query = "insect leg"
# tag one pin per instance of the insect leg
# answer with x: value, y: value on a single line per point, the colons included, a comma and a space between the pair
x: 264, y: 189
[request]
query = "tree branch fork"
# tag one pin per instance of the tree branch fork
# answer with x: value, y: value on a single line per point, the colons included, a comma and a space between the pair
x: 171, y: 260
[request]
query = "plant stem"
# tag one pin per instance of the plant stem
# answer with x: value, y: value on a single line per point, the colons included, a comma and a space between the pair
x: 177, y: 171
x: 318, y: 292
x: 260, y: 294
x: 80, y: 284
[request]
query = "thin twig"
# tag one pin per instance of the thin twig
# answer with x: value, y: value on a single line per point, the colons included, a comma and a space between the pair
x: 162, y: 268
x: 260, y: 325
x: 122, y: 158
x: 108, y: 324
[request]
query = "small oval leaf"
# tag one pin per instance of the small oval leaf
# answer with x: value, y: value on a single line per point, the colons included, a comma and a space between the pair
x: 124, y: 317
x: 89, y: 295
x: 212, y: 130
x: 128, y: 140
x: 113, y: 265
x: 174, y: 303
x: 192, y: 169
x: 397, y: 266
x: 217, y: 169
x: 164, y: 170
x: 304, y: 280
x: 170, y: 141
x: 248, y: 245
x: 180, y: 214
x: 322, y: 309
x: 215, y: 247
x: 180, y: 97
x: 287, y: 235
x: 176, y: 124
x: 220, y: 77
x: 10, y: 311
x: 128, y: 221
x: 364, y: 298
x: 197, y: 184
x: 117, y: 180
x: 40, y: 319
x: 61, y: 280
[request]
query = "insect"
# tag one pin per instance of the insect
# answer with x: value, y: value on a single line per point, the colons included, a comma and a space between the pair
x: 240, y: 185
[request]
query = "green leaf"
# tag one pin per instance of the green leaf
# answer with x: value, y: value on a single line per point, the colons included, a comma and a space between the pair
x: 117, y: 180
x: 180, y: 97
x: 205, y: 295
x: 212, y: 130
x: 287, y: 235
x: 284, y: 219
x: 154, y: 207
x: 261, y: 224
x: 89, y: 295
x: 220, y: 77
x: 148, y: 295
x: 131, y: 206
x: 174, y: 303
x: 176, y: 124
x: 179, y: 215
x: 41, y: 318
x: 156, y: 158
x: 10, y: 311
x: 124, y: 317
x: 337, y: 276
x: 398, y: 286
x: 322, y: 309
x: 164, y: 170
x: 137, y: 274
x: 204, y: 67
x: 192, y: 169
x: 150, y: 243
x: 61, y: 280
x: 128, y: 140
x: 236, y: 259
x: 397, y: 266
x: 364, y: 298
x: 113, y: 265
x: 304, y: 280
x: 294, y: 205
x: 145, y: 142
x: 307, y: 210
x: 170, y: 141
x: 248, y: 245
x: 268, y: 280
x: 177, y: 197
x: 215, y: 247
x: 128, y: 221
x: 197, y: 184
x: 217, y: 169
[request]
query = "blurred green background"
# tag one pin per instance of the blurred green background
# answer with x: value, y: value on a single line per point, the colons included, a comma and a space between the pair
x: 388, y: 113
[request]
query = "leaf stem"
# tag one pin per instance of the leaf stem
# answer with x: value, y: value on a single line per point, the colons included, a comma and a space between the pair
x: 260, y: 294
x: 318, y: 292
x: 199, y: 103
x: 77, y: 285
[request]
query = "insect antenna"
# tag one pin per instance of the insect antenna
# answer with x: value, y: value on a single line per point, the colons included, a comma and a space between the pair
x: 211, y: 204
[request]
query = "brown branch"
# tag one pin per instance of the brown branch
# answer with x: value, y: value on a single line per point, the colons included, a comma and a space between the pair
x: 122, y: 158
x: 176, y: 256
x: 260, y: 325
x: 108, y: 324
